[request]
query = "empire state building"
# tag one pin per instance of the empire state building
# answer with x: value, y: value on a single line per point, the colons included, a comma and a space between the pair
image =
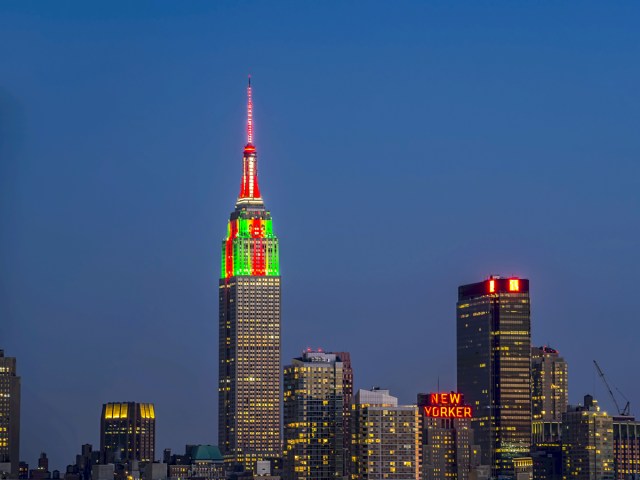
x: 249, y: 341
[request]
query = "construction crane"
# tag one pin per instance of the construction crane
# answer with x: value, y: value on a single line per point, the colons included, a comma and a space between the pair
x: 626, y: 411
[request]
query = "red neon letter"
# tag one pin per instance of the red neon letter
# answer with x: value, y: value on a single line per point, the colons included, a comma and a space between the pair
x: 467, y: 412
x: 492, y: 286
x: 433, y: 399
x: 427, y: 411
x: 455, y: 398
x: 514, y: 285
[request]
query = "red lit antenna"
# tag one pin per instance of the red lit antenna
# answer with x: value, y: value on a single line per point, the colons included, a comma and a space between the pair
x: 249, y: 114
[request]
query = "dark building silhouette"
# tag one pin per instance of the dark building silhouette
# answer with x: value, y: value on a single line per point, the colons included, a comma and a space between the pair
x: 347, y: 392
x: 9, y: 414
x: 85, y: 460
x: 494, y: 367
x: 127, y: 432
x: 42, y: 472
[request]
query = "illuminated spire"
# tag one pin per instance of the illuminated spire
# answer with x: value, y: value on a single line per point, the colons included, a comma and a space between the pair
x: 249, y: 115
x: 249, y: 189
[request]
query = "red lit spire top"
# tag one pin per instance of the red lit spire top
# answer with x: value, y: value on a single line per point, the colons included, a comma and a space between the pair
x: 249, y: 189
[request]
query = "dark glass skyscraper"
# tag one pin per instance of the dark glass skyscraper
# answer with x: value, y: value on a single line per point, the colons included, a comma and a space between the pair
x: 249, y: 325
x: 127, y: 432
x: 494, y: 367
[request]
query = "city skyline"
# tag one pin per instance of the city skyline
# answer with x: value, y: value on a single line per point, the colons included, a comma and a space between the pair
x: 113, y: 221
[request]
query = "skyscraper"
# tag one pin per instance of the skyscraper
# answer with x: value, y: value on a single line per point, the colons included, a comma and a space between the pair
x: 494, y: 367
x: 127, y: 432
x: 9, y: 414
x: 549, y: 385
x: 549, y: 400
x: 249, y: 324
x: 313, y: 417
x: 385, y: 438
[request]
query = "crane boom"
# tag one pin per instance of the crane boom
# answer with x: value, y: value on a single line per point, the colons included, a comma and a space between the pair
x: 625, y: 410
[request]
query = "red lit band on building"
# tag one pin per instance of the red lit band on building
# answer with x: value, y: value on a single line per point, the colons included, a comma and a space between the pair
x: 511, y: 284
x: 447, y: 405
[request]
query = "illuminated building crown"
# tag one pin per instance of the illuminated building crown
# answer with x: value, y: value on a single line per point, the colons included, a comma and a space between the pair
x: 250, y: 248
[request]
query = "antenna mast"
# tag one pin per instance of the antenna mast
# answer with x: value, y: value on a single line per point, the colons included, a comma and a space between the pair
x: 249, y: 114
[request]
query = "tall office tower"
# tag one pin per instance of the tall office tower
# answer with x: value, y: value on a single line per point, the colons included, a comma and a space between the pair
x: 549, y: 400
x: 385, y: 438
x: 9, y: 415
x: 127, y: 432
x: 549, y: 385
x: 446, y: 436
x: 347, y: 391
x: 494, y: 367
x: 313, y: 417
x: 626, y: 447
x: 249, y: 328
x: 587, y: 442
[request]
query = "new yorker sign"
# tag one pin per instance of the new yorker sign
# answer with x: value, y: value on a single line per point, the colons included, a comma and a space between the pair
x: 446, y: 405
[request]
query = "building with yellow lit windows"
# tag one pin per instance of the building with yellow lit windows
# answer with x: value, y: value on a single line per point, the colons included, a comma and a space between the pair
x: 626, y: 447
x: 549, y: 385
x: 587, y: 442
x: 446, y: 443
x: 549, y: 400
x: 127, y: 432
x: 314, y: 423
x: 249, y: 396
x: 385, y: 438
x: 493, y: 330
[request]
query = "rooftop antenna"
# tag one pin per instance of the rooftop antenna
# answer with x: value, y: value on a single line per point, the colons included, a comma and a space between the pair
x: 249, y: 114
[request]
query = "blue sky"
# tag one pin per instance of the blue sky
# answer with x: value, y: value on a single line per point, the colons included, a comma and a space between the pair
x: 405, y: 148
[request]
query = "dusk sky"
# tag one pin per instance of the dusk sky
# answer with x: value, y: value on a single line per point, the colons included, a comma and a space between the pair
x: 405, y: 148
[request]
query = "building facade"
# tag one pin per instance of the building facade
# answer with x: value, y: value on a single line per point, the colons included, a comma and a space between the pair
x: 549, y: 385
x: 202, y: 462
x: 314, y: 425
x: 494, y: 367
x: 385, y: 438
x: 626, y: 448
x: 546, y: 449
x: 249, y: 325
x: 587, y: 442
x: 127, y: 432
x: 446, y: 440
x: 9, y: 415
